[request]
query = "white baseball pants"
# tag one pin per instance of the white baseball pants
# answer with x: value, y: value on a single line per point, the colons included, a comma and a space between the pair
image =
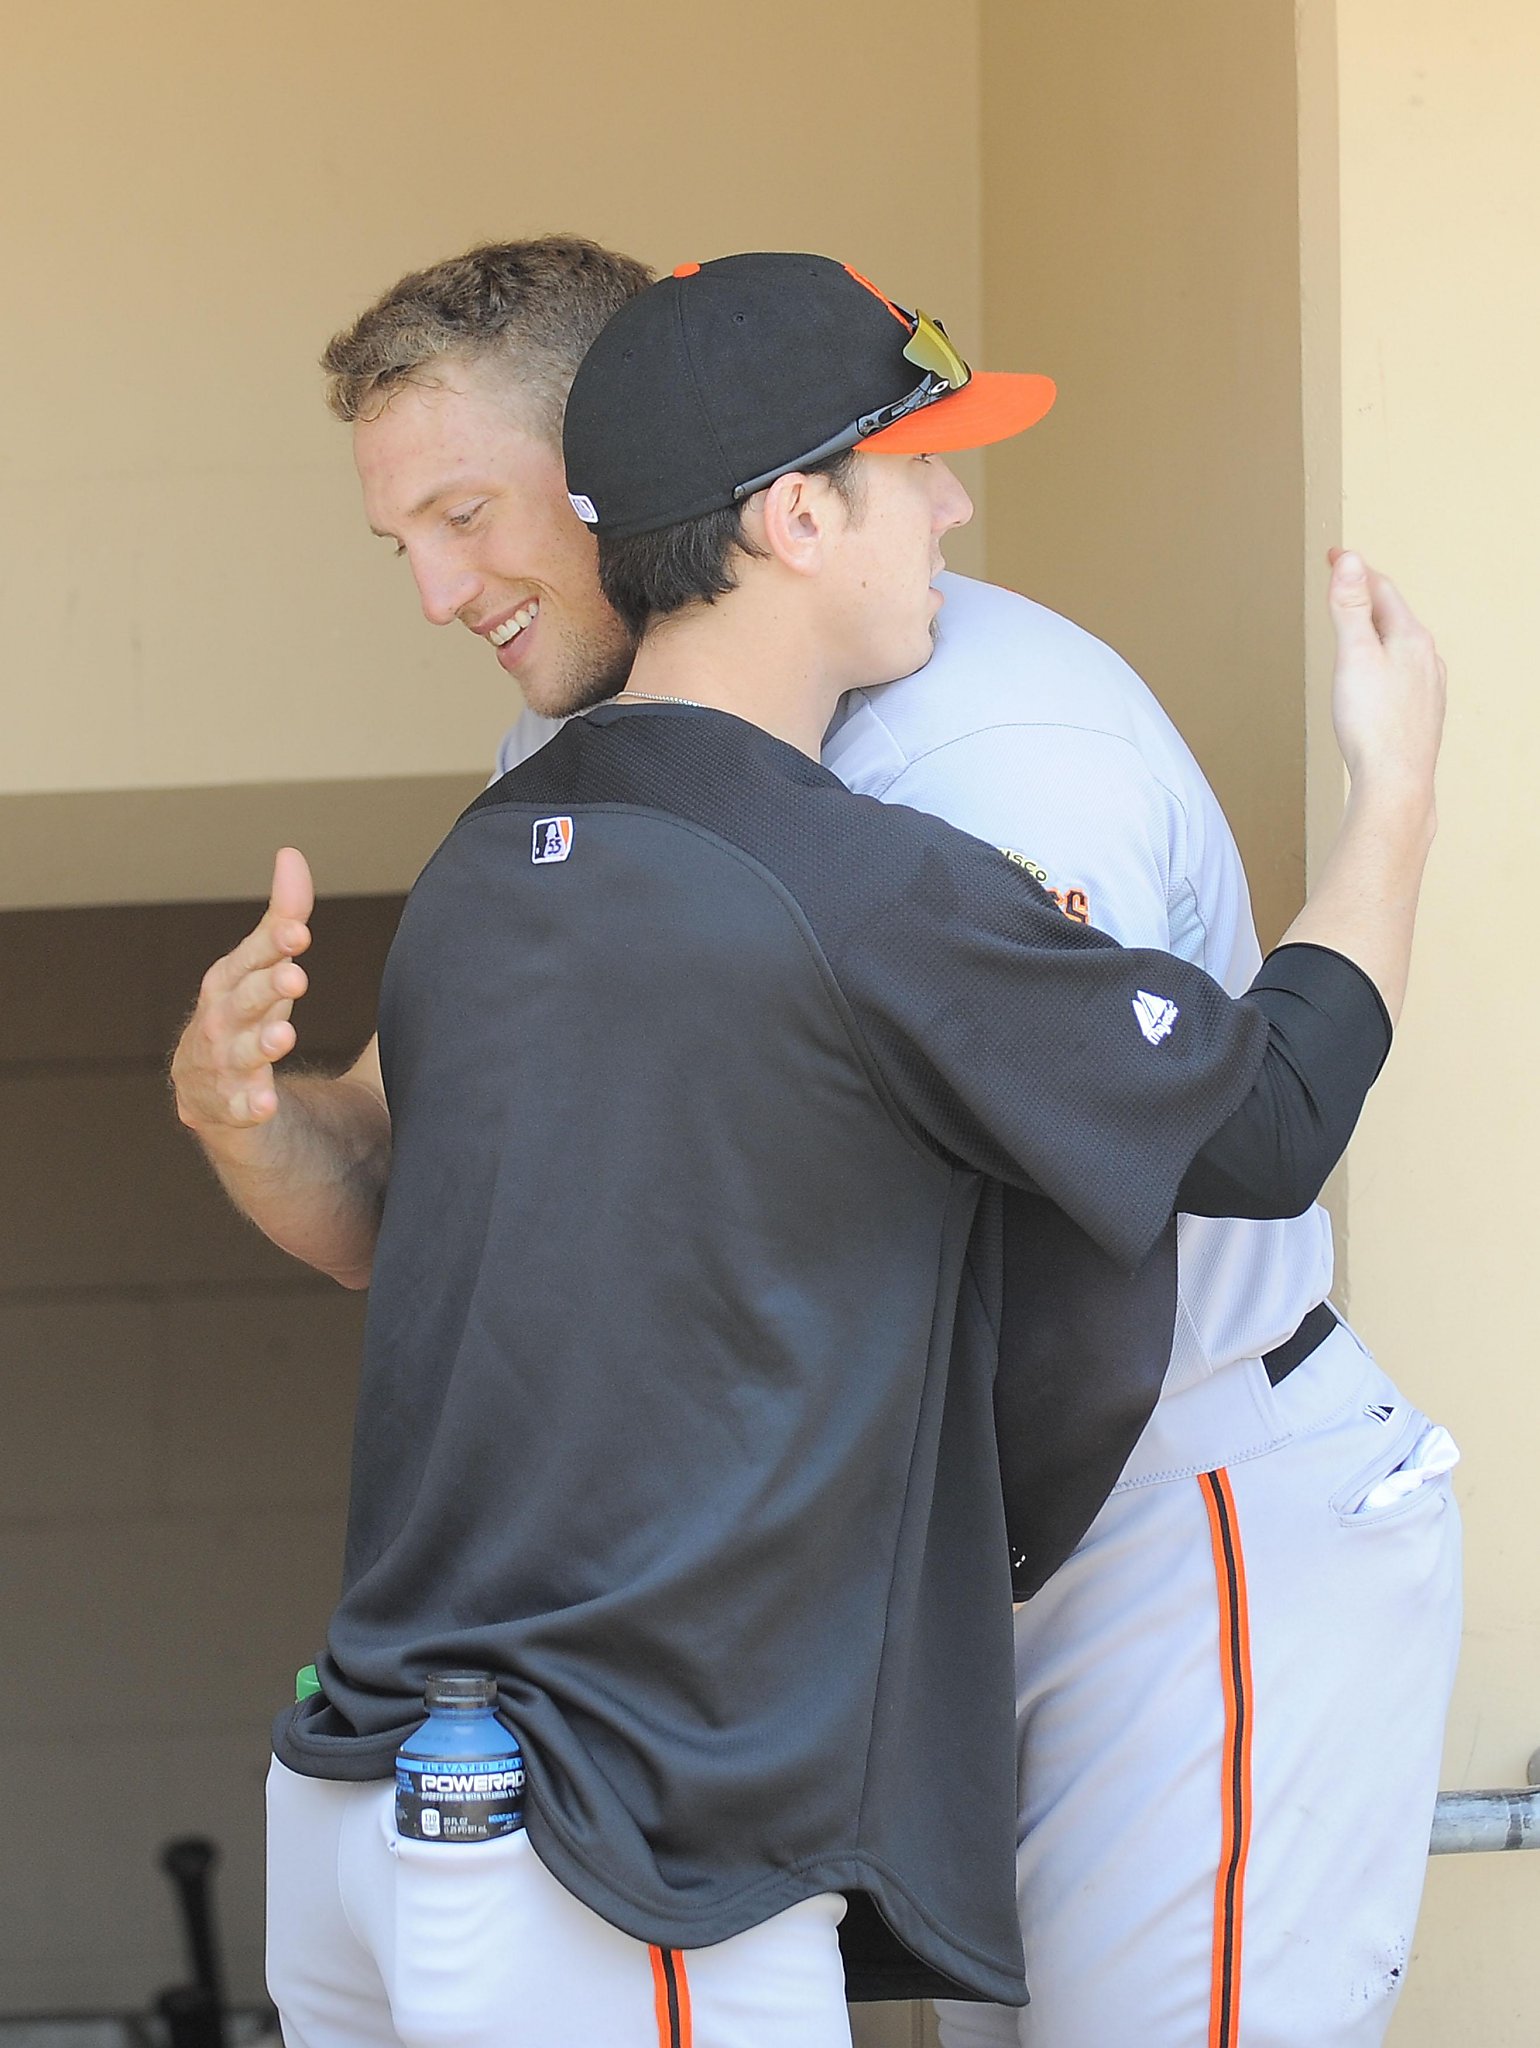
x: 377, y: 1943
x: 1231, y: 1708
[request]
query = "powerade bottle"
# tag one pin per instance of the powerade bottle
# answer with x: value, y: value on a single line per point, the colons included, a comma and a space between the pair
x: 460, y: 1776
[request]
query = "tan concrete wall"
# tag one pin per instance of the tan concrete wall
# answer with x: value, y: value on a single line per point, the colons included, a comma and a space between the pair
x: 177, y: 1415
x: 1141, y: 244
x: 1440, y: 440
x: 199, y: 197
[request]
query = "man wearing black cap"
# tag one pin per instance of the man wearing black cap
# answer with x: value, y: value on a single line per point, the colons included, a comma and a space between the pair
x: 677, y: 1411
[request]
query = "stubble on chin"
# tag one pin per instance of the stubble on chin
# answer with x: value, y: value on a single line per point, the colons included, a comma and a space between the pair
x: 586, y: 684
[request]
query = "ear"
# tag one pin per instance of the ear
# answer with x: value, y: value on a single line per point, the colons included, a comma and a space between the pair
x: 794, y: 520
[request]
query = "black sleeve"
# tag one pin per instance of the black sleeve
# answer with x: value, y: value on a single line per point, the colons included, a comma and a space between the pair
x: 1328, y: 1033
x: 1033, y: 1049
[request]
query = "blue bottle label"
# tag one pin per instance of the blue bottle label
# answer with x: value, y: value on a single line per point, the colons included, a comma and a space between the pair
x: 459, y: 1799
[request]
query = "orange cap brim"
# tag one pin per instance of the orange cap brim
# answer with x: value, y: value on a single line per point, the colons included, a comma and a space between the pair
x: 991, y: 406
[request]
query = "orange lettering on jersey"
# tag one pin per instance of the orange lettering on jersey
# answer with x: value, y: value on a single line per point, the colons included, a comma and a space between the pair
x: 1075, y: 903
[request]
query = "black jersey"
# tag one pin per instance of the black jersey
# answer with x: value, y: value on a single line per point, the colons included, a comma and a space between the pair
x: 676, y: 1403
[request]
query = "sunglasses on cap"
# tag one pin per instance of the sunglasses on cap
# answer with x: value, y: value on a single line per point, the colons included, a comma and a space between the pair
x: 944, y: 372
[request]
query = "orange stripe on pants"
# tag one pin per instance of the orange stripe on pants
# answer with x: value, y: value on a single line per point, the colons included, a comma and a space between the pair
x: 670, y: 1997
x: 1235, y: 1835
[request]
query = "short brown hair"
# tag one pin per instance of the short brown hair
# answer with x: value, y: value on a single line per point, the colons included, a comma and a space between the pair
x: 648, y: 576
x: 530, y: 308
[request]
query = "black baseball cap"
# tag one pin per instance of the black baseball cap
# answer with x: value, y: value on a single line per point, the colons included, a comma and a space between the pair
x: 715, y: 381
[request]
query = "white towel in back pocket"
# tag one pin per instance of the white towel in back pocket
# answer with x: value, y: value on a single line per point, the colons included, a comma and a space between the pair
x: 1434, y: 1453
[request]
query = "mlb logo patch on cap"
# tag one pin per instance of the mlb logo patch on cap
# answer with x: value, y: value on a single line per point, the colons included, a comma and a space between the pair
x: 553, y: 840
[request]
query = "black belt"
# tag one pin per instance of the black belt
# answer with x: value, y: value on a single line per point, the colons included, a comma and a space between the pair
x: 1311, y: 1334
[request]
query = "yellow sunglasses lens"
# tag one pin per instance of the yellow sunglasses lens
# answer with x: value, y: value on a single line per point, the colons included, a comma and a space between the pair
x: 929, y: 350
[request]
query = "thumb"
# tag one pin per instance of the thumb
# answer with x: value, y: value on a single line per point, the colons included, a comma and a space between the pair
x: 1351, y: 601
x: 293, y: 896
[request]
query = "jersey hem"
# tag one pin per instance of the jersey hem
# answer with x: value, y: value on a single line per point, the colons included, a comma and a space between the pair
x: 952, y: 1966
x: 749, y: 1905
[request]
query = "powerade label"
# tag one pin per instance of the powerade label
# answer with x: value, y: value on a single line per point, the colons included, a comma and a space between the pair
x: 459, y: 1799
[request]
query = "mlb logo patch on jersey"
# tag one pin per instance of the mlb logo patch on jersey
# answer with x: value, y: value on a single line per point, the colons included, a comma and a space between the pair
x: 553, y: 840
x: 1155, y: 1014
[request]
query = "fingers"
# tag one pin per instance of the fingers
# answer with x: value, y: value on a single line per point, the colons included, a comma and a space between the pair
x: 1393, y: 616
x: 1351, y: 599
x: 1388, y: 687
x: 1356, y: 587
x: 293, y: 896
x: 223, y: 1065
x: 255, y: 1103
x: 267, y: 992
x: 285, y: 926
x: 272, y: 1038
x: 282, y: 931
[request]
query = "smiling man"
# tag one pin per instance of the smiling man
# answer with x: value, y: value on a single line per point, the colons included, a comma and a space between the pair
x: 1154, y: 1814
x: 464, y: 475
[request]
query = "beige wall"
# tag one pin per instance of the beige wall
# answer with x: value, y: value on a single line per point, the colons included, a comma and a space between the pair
x: 1141, y: 244
x: 199, y: 197
x: 177, y: 1414
x: 1440, y: 463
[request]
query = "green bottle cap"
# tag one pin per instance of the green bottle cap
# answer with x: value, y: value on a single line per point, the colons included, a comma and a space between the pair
x: 307, y: 1682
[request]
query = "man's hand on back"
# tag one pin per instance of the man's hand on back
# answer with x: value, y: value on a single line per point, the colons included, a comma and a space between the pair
x: 306, y: 1157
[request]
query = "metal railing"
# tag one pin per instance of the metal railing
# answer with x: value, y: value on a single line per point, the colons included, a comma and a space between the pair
x: 1469, y: 1823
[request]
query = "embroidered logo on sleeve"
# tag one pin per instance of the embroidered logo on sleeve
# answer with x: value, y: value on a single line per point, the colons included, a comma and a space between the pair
x: 553, y: 840
x: 1155, y: 1015
x: 1075, y: 903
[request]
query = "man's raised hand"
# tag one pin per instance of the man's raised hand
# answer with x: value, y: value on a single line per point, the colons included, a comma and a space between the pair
x: 1388, y: 708
x: 222, y: 1069
x: 1389, y: 686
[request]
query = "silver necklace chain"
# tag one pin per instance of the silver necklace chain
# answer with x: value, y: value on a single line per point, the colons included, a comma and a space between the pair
x: 647, y: 697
